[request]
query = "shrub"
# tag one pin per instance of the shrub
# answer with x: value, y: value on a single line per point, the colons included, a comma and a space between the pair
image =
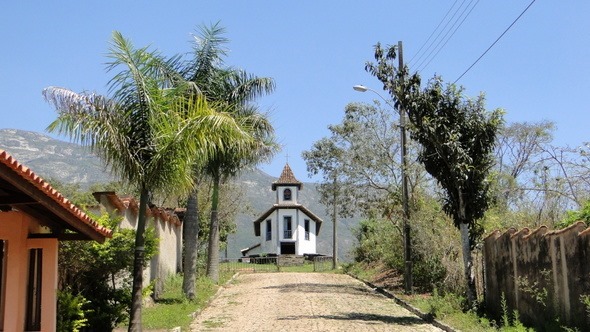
x: 100, y: 273
x: 70, y: 315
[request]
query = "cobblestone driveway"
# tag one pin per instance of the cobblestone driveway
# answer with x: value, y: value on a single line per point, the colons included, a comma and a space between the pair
x: 304, y: 302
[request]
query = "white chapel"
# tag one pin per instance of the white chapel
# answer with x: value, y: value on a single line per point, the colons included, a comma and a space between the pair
x: 287, y: 228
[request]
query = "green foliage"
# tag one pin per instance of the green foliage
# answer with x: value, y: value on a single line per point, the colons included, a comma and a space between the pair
x: 533, y: 289
x: 377, y: 243
x: 73, y: 192
x: 428, y: 272
x: 445, y: 304
x: 505, y: 314
x: 448, y: 308
x: 457, y: 137
x: 380, y: 242
x: 585, y: 300
x: 511, y: 323
x: 574, y: 216
x: 100, y: 273
x: 70, y: 314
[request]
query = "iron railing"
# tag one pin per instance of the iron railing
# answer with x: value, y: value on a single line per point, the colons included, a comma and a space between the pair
x: 273, y: 264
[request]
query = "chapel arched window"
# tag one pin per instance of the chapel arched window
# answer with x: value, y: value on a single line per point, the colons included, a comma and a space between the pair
x: 287, y: 194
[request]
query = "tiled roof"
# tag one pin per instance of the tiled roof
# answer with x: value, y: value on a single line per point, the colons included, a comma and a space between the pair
x: 82, y: 221
x: 123, y: 203
x: 287, y: 178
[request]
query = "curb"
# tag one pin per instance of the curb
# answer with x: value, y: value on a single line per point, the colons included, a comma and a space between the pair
x: 426, y: 317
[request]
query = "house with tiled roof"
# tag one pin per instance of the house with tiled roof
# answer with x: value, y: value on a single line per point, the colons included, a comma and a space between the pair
x: 34, y: 218
x: 167, y: 228
x: 287, y: 227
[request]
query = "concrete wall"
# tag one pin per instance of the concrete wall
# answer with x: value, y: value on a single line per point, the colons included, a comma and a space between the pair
x: 168, y: 260
x: 541, y: 273
x: 168, y: 230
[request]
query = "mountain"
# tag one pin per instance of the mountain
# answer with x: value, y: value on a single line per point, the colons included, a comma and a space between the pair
x: 53, y: 159
x: 71, y: 163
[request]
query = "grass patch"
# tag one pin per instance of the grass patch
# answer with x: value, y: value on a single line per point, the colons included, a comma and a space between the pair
x: 173, y: 309
x: 361, y: 271
x: 306, y: 267
x: 447, y: 308
x: 212, y: 324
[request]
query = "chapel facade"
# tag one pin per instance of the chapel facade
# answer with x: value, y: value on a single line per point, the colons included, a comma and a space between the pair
x: 288, y: 227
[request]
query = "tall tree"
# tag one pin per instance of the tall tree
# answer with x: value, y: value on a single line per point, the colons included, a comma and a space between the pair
x: 457, y: 138
x: 229, y: 162
x: 518, y: 153
x: 366, y: 183
x: 232, y: 89
x: 148, y: 133
x: 327, y: 158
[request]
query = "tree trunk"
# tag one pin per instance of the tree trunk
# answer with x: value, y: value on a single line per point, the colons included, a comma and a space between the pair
x: 468, y: 265
x: 191, y: 245
x: 137, y: 295
x: 213, y: 254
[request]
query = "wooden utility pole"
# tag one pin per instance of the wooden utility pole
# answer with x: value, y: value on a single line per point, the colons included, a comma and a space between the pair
x: 408, y: 283
x: 334, y: 239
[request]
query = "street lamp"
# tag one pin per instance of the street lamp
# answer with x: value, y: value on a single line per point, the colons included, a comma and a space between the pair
x: 407, y: 242
x: 362, y: 88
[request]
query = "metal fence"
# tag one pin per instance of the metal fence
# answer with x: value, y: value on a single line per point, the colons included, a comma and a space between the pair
x: 322, y: 263
x: 273, y: 264
x: 249, y: 265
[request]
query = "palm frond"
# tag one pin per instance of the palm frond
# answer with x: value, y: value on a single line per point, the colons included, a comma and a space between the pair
x: 208, y: 52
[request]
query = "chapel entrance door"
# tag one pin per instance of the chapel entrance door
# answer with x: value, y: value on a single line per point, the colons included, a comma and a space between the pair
x: 287, y: 248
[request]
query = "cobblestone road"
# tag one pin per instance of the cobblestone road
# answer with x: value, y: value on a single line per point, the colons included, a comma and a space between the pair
x: 304, y: 302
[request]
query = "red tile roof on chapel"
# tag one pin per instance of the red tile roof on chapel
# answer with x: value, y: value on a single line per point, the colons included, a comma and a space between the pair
x: 287, y: 178
x: 82, y: 223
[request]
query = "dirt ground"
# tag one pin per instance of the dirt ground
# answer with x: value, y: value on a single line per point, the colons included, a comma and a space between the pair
x: 304, y: 302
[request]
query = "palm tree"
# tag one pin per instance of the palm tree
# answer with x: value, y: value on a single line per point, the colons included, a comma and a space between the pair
x: 229, y: 162
x: 233, y: 89
x: 147, y: 132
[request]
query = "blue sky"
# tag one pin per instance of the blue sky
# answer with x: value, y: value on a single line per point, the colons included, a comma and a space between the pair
x: 315, y: 51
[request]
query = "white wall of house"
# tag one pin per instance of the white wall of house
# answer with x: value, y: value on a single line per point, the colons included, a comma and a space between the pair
x: 168, y: 259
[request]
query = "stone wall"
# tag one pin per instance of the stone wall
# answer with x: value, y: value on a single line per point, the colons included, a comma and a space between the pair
x: 542, y: 274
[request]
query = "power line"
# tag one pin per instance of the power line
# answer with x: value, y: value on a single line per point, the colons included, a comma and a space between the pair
x: 494, y: 43
x: 426, y: 51
x: 452, y: 34
x: 432, y: 33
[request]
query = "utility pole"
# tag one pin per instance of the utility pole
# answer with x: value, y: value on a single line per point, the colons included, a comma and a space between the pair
x: 334, y: 242
x: 408, y: 283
